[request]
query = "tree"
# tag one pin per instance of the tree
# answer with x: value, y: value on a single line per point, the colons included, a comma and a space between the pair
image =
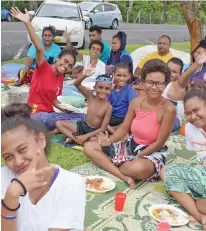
x: 165, y: 3
x: 190, y: 11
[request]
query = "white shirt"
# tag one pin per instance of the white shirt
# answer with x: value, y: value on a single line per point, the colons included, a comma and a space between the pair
x: 194, y: 133
x: 180, y: 105
x: 100, y: 68
x: 63, y: 206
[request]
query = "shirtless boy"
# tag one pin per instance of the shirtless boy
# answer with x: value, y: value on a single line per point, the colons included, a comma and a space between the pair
x: 98, y: 113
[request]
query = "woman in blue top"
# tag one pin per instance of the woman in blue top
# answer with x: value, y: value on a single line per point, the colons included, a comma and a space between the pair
x: 118, y: 53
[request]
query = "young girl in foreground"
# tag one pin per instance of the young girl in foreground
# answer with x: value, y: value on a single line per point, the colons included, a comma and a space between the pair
x: 185, y: 183
x: 150, y: 120
x: 35, y: 195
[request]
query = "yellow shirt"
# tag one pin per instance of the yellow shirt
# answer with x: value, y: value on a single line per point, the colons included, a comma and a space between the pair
x: 155, y: 55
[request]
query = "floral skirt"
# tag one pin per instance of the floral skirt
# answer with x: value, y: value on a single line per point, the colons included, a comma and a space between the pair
x: 186, y: 179
x: 120, y: 153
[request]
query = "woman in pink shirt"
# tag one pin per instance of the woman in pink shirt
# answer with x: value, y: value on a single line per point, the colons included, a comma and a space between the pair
x: 149, y: 122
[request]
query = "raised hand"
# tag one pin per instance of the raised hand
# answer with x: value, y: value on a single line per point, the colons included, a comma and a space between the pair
x: 16, y: 13
x: 201, y: 144
x: 201, y: 58
x: 89, y: 71
x: 66, y: 35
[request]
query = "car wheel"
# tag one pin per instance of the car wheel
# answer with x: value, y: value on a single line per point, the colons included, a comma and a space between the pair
x: 114, y: 24
x: 8, y: 18
x: 83, y: 44
x: 88, y: 24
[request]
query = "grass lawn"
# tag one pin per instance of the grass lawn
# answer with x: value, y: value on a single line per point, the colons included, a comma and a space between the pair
x: 69, y: 158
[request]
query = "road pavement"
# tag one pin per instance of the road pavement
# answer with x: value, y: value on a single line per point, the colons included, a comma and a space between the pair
x: 14, y: 36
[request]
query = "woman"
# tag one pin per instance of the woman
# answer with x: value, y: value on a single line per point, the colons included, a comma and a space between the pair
x: 47, y: 80
x: 34, y: 193
x: 188, y: 184
x: 200, y: 74
x: 150, y: 119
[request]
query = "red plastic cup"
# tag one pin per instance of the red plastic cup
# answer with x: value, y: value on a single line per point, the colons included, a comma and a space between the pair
x: 119, y: 201
x: 163, y: 226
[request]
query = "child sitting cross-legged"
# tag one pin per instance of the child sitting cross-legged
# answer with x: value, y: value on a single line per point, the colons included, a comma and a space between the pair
x: 121, y: 95
x: 98, y: 113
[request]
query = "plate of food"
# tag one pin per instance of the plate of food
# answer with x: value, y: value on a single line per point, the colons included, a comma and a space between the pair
x: 71, y: 108
x: 169, y: 214
x: 99, y: 184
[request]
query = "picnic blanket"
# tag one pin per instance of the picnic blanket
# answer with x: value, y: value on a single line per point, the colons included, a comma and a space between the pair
x: 100, y: 214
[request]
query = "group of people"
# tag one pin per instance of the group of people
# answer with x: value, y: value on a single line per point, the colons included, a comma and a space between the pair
x: 124, y: 131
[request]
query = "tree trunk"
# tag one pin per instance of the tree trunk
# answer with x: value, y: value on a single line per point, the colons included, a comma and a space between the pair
x: 190, y: 12
x: 129, y: 9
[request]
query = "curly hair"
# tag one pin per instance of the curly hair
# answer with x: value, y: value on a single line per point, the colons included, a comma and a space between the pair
x: 156, y: 65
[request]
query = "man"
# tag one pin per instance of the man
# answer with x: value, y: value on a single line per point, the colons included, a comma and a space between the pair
x: 163, y: 53
x: 176, y: 66
x: 95, y: 33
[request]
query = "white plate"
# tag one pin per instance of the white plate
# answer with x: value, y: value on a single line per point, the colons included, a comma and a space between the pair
x: 108, y: 184
x: 184, y: 221
x: 71, y: 108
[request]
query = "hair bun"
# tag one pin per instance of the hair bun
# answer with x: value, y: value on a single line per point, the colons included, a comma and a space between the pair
x: 16, y: 109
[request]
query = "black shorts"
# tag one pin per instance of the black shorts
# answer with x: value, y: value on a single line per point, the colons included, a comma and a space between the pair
x: 83, y: 128
x: 114, y: 121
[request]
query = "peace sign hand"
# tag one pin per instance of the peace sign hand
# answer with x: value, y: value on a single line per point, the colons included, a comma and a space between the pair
x: 16, y: 13
x: 89, y: 71
x: 31, y: 178
x: 66, y: 35
x: 201, y: 58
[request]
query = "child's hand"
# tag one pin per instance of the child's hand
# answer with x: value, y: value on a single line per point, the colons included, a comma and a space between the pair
x: 201, y: 59
x: 103, y: 139
x: 81, y: 139
x: 201, y: 144
x: 16, y: 13
x: 89, y: 71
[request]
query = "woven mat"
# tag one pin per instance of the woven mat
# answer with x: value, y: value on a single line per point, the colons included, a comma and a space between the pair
x: 100, y: 214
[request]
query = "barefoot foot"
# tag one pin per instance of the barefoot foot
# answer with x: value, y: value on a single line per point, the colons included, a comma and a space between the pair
x: 130, y: 182
x: 68, y: 141
x: 204, y: 222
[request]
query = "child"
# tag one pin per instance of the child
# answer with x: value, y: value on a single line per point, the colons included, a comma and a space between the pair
x: 35, y: 193
x: 119, y: 54
x: 121, y: 95
x: 98, y: 114
x: 176, y: 66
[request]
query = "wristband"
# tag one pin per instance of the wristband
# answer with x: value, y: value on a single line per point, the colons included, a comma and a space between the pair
x: 25, y: 191
x: 8, y: 217
x: 6, y: 207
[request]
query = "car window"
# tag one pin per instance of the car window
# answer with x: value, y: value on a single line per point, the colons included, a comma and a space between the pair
x: 86, y: 6
x: 59, y: 11
x: 108, y: 7
x: 99, y: 8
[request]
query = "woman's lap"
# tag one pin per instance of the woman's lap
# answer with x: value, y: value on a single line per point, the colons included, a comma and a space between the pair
x: 120, y: 153
x: 186, y: 179
x: 49, y: 119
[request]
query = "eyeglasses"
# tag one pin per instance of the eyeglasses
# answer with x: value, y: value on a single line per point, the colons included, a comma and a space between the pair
x: 150, y: 83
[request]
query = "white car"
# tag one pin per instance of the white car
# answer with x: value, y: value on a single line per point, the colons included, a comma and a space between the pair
x: 60, y: 14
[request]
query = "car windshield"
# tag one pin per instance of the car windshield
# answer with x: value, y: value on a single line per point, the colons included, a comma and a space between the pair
x: 86, y: 6
x: 59, y: 11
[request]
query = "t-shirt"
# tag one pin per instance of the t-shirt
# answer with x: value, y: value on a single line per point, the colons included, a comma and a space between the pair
x: 62, y: 207
x: 178, y: 104
x: 100, y: 68
x: 45, y: 87
x: 155, y: 55
x: 106, y: 53
x: 194, y: 133
x: 120, y: 100
x: 50, y: 55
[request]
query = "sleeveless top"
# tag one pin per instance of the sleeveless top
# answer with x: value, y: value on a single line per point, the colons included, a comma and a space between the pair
x: 145, y: 126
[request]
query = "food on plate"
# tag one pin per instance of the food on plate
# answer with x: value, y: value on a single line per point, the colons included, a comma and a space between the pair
x: 97, y: 184
x: 169, y: 215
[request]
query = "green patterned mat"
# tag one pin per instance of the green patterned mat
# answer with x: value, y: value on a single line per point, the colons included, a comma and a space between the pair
x: 100, y: 214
